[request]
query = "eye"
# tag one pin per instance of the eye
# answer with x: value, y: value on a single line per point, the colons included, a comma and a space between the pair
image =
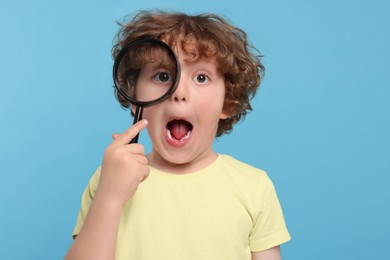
x: 201, y: 78
x: 163, y: 77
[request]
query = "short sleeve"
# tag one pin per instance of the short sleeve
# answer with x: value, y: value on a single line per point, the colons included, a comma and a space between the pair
x: 269, y: 228
x: 86, y: 200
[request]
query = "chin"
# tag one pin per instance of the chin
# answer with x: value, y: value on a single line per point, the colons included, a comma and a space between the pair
x: 178, y: 158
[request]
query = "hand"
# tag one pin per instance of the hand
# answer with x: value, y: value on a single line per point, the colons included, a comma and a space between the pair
x: 124, y: 166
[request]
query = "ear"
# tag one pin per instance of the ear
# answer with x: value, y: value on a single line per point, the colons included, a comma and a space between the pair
x: 133, y: 108
x: 226, y: 112
x: 223, y: 115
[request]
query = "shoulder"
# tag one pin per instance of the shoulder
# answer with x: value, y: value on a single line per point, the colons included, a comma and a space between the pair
x: 93, y: 183
x: 96, y: 176
x: 252, y: 184
x: 244, y: 175
x: 242, y: 169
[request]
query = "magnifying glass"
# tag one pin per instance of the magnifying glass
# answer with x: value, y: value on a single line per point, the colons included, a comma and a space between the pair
x: 146, y: 72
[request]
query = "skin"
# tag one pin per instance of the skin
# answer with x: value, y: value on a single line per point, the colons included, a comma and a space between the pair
x: 124, y: 167
x: 198, y: 99
x: 269, y: 254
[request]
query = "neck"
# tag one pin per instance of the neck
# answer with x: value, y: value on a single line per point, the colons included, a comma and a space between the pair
x: 196, y: 164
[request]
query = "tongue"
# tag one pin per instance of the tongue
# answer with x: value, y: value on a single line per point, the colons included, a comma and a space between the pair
x: 178, y: 128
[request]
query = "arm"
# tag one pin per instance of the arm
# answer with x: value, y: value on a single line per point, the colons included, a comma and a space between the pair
x: 124, y: 167
x: 98, y: 234
x: 270, y: 228
x: 269, y: 254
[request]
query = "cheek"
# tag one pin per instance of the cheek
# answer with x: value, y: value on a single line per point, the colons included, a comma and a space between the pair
x: 213, y: 104
x: 152, y: 114
x: 153, y: 117
x: 212, y: 112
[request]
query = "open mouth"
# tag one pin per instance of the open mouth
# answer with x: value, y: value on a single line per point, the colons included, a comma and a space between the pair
x: 179, y: 130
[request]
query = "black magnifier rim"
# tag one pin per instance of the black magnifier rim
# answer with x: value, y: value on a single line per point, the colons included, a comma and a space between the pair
x: 119, y: 58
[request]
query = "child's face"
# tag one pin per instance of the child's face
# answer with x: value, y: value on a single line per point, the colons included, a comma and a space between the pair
x: 182, y: 128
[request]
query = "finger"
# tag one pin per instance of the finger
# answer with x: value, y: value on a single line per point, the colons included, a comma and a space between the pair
x: 135, y: 149
x: 144, y: 174
x: 130, y: 133
x: 114, y: 136
x: 142, y: 159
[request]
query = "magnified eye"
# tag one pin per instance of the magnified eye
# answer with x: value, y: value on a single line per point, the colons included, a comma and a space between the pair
x: 163, y: 77
x: 201, y: 78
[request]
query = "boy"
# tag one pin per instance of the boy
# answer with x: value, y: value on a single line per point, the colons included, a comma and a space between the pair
x: 183, y: 200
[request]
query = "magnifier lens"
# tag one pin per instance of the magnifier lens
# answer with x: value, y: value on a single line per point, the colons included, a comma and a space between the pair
x: 146, y: 73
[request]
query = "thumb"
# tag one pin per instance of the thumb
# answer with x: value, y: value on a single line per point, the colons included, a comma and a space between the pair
x: 114, y: 136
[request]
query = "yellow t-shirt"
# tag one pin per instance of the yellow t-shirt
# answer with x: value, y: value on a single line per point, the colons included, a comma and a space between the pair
x: 225, y: 211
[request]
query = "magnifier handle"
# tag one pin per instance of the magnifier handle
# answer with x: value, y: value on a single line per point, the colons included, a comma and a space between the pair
x: 137, y: 117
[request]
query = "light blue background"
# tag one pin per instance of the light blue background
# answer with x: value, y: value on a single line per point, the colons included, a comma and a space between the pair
x: 320, y: 125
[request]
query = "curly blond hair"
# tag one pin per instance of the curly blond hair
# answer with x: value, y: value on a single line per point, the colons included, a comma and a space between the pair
x: 204, y: 35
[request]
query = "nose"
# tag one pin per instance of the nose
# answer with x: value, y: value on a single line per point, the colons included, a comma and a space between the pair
x: 181, y: 93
